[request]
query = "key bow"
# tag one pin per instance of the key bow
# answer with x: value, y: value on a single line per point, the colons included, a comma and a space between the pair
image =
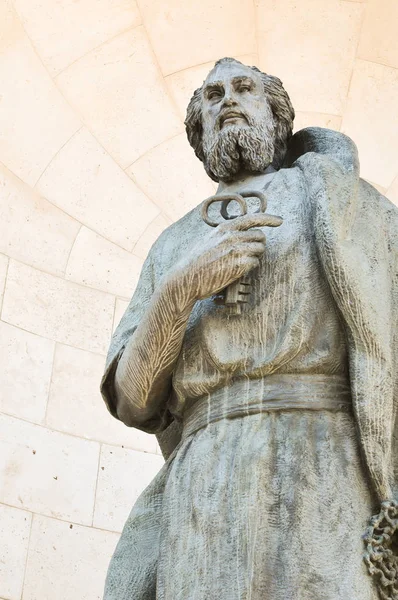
x: 237, y: 293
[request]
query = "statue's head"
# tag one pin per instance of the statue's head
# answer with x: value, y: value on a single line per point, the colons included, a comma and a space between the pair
x: 239, y: 119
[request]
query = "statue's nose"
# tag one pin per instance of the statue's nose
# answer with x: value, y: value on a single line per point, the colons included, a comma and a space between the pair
x: 229, y: 101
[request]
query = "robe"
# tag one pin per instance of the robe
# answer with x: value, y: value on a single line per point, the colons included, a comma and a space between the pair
x: 354, y: 243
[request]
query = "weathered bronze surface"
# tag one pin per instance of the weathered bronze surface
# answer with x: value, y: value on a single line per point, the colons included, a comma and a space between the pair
x: 262, y: 350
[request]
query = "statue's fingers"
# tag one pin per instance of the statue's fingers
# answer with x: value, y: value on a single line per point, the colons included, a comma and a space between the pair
x: 255, y: 220
x: 251, y: 235
x: 254, y: 249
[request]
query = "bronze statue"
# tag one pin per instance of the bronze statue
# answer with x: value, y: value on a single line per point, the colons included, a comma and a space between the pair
x: 275, y: 410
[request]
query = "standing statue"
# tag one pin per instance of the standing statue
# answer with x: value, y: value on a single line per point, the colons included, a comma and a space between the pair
x: 275, y: 410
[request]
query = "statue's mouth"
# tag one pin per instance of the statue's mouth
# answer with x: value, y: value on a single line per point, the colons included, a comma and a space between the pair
x: 231, y: 116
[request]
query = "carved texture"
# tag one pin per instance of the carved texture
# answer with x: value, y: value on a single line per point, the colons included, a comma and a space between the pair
x: 338, y: 239
x: 381, y: 545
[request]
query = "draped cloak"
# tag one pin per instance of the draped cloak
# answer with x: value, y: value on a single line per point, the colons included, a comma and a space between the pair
x: 355, y: 232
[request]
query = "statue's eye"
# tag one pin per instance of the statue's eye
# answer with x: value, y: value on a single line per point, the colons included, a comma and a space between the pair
x: 214, y: 94
x: 245, y: 88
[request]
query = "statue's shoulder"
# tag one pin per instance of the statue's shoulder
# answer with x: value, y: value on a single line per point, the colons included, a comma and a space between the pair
x: 178, y: 237
x: 320, y: 139
x: 182, y: 228
x: 312, y: 144
x: 328, y: 161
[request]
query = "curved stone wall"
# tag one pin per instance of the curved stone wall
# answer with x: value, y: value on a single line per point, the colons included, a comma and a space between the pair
x: 94, y: 165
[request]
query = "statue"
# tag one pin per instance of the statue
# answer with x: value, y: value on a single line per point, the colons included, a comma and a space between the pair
x: 276, y: 409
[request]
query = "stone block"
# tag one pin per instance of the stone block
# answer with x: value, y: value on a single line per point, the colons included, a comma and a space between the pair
x: 3, y: 274
x: 150, y: 235
x: 47, y: 472
x: 123, y: 475
x: 308, y: 119
x: 184, y: 34
x: 98, y: 263
x: 35, y: 120
x: 32, y: 230
x: 14, y: 535
x: 120, y: 99
x: 378, y: 41
x: 26, y: 373
x: 310, y: 46
x: 57, y: 309
x: 176, y: 191
x: 120, y: 309
x: 62, y: 32
x: 392, y: 192
x: 369, y: 120
x: 67, y: 561
x: 75, y: 404
x: 88, y: 184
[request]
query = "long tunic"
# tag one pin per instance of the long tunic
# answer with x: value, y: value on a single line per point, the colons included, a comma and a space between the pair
x: 270, y: 505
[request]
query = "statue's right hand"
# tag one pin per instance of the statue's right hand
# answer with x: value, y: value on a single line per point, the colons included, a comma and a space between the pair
x: 231, y: 250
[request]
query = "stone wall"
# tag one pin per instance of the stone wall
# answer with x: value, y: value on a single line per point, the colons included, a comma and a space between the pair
x: 94, y: 165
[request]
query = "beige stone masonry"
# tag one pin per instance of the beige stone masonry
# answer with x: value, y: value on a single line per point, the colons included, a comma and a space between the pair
x: 122, y: 476
x: 47, y: 472
x: 26, y: 373
x: 3, y: 273
x: 392, y: 192
x: 176, y: 191
x: 90, y: 186
x: 378, y: 41
x: 370, y: 119
x: 308, y: 119
x: 114, y: 98
x: 60, y: 310
x: 35, y: 120
x: 184, y: 34
x: 97, y: 263
x: 15, y: 527
x: 67, y: 561
x: 76, y: 407
x: 150, y: 235
x: 311, y: 46
x: 32, y: 230
x: 120, y: 308
x: 52, y: 25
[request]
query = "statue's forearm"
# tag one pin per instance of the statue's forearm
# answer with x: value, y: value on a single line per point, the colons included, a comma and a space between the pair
x: 143, y: 376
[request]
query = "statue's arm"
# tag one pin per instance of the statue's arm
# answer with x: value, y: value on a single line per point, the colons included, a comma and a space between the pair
x: 144, y: 372
x: 143, y: 375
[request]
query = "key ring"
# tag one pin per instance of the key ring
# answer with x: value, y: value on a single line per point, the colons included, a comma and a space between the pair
x: 226, y: 199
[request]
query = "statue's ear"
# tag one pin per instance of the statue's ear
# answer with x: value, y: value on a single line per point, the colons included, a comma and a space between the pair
x: 170, y: 438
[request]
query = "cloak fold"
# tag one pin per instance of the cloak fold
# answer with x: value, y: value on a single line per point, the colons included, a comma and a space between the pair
x: 356, y: 231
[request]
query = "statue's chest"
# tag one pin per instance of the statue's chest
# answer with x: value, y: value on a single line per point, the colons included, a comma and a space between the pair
x: 289, y: 266
x: 290, y: 263
x: 286, y: 197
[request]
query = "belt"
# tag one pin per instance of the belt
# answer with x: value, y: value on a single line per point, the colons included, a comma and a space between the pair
x: 243, y: 397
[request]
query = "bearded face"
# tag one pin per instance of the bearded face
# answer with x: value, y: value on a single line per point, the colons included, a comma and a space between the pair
x: 233, y: 144
x: 239, y: 120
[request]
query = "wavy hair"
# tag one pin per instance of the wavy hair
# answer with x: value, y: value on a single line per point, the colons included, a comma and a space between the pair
x: 279, y: 102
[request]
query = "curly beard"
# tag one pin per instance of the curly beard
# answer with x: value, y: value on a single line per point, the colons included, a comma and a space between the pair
x: 229, y: 150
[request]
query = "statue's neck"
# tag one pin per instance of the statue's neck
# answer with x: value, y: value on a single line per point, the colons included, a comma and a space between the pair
x: 245, y: 180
